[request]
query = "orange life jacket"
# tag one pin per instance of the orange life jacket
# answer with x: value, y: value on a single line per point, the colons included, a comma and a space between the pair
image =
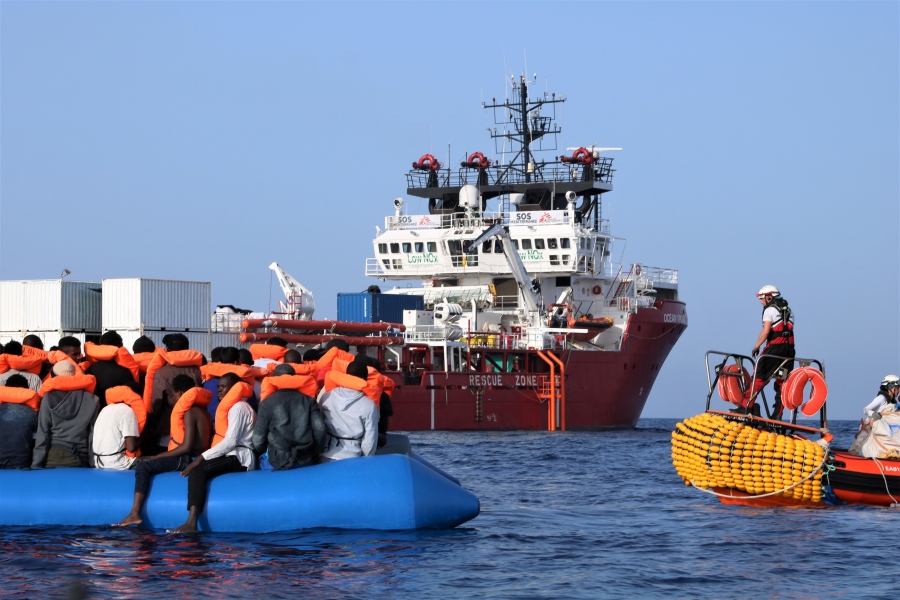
x: 372, y: 387
x: 248, y: 374
x: 309, y: 368
x: 55, y: 356
x: 94, y: 353
x: 193, y: 397
x: 29, y: 351
x: 240, y: 392
x: 341, y: 364
x: 30, y: 364
x: 123, y: 393
x: 267, y: 351
x: 68, y: 383
x: 143, y: 360
x: 334, y: 353
x: 305, y: 384
x: 12, y: 395
x: 388, y: 385
x: 161, y: 358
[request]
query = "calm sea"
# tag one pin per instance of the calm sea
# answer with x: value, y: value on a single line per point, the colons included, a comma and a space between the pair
x: 565, y: 515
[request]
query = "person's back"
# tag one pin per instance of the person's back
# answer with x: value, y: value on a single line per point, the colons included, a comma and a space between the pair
x: 65, y: 422
x: 115, y: 424
x: 15, y: 363
x: 350, y: 417
x: 18, y: 421
x: 156, y: 437
x: 109, y: 375
x: 290, y: 426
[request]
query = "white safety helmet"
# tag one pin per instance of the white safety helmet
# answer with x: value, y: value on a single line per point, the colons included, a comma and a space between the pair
x: 890, y: 382
x: 767, y: 290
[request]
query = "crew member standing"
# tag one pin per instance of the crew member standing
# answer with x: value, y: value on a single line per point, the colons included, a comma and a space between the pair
x: 778, y: 335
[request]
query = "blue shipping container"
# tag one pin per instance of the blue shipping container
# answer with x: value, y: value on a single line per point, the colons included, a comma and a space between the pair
x: 375, y: 308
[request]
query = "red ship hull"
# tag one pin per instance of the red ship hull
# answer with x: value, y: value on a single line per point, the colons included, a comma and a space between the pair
x: 604, y: 389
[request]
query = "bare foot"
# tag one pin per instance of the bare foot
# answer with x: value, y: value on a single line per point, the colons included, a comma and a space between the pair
x: 131, y: 519
x: 186, y: 528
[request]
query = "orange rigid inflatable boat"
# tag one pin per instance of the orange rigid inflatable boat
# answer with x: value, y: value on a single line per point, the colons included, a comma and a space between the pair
x: 762, y: 461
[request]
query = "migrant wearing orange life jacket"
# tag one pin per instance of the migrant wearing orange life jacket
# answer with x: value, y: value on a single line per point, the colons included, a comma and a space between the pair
x: 326, y: 363
x: 309, y: 368
x: 12, y: 395
x: 31, y: 351
x: 95, y: 352
x: 143, y: 360
x: 123, y: 393
x: 161, y: 358
x: 239, y: 393
x: 55, y: 356
x: 269, y: 351
x: 68, y: 383
x: 193, y: 397
x: 305, y: 384
x: 248, y: 374
x: 371, y: 387
x: 30, y: 364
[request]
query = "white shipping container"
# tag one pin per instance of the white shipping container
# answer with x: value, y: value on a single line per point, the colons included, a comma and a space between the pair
x: 223, y: 339
x: 50, y: 305
x: 133, y: 304
x: 412, y: 318
x: 198, y: 340
x: 50, y: 338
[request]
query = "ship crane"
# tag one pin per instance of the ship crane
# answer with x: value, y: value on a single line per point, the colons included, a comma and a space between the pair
x: 300, y: 303
x: 532, y: 302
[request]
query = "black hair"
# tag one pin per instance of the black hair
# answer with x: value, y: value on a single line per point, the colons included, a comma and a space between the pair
x: 143, y: 344
x: 111, y: 338
x: 215, y: 355
x: 284, y: 370
x: 277, y: 341
x: 182, y: 383
x: 370, y: 361
x: 176, y: 341
x: 16, y: 381
x: 293, y: 356
x: 230, y: 379
x: 68, y: 342
x: 33, y: 341
x: 230, y: 355
x: 246, y: 357
x: 337, y: 343
x: 358, y: 368
x: 13, y: 348
x: 311, y: 355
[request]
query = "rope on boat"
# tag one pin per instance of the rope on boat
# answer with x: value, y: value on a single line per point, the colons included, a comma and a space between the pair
x: 887, y: 489
x: 776, y: 492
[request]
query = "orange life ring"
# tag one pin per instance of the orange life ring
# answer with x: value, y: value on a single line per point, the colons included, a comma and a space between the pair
x: 731, y: 388
x: 792, y: 394
x: 477, y: 160
x: 597, y: 290
x: 427, y: 162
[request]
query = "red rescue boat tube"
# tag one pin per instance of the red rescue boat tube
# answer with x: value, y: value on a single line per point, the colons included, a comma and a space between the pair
x: 294, y: 338
x: 320, y: 325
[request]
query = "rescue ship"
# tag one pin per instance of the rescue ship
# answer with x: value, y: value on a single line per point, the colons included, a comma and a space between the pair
x: 526, y: 322
x: 762, y: 461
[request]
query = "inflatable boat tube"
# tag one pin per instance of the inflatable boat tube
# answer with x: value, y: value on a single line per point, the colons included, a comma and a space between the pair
x: 385, y: 492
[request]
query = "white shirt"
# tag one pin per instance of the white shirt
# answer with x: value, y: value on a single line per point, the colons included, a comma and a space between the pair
x: 773, y: 315
x: 34, y: 382
x: 238, y: 438
x: 114, y: 423
x: 877, y: 405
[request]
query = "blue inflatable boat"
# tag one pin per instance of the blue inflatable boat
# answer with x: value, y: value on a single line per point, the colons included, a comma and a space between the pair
x: 387, y: 492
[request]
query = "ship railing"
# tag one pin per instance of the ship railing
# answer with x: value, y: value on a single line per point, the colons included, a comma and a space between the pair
x: 478, y: 220
x: 653, y: 274
x: 500, y: 174
x: 373, y: 268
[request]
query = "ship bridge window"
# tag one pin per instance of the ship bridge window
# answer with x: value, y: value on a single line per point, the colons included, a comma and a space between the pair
x: 407, y: 247
x: 551, y: 243
x: 564, y: 243
x: 432, y: 247
x: 539, y: 244
x: 454, y: 247
x: 395, y: 248
x: 554, y: 260
x: 420, y: 247
x: 382, y: 249
x: 516, y: 244
x: 526, y: 244
x: 486, y: 247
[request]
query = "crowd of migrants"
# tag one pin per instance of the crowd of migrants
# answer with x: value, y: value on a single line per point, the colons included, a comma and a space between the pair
x: 159, y: 410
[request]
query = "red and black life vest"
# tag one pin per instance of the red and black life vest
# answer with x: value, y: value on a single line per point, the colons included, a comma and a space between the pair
x: 782, y: 331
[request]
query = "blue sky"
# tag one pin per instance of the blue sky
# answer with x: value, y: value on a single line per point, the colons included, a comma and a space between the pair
x: 203, y: 140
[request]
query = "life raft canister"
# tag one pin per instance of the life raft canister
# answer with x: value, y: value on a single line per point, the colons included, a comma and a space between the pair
x: 134, y: 401
x: 792, y: 393
x: 238, y: 393
x: 733, y: 381
x: 427, y: 162
x: 193, y: 397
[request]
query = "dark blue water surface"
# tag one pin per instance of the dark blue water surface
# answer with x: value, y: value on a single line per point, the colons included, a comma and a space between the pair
x: 564, y: 515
